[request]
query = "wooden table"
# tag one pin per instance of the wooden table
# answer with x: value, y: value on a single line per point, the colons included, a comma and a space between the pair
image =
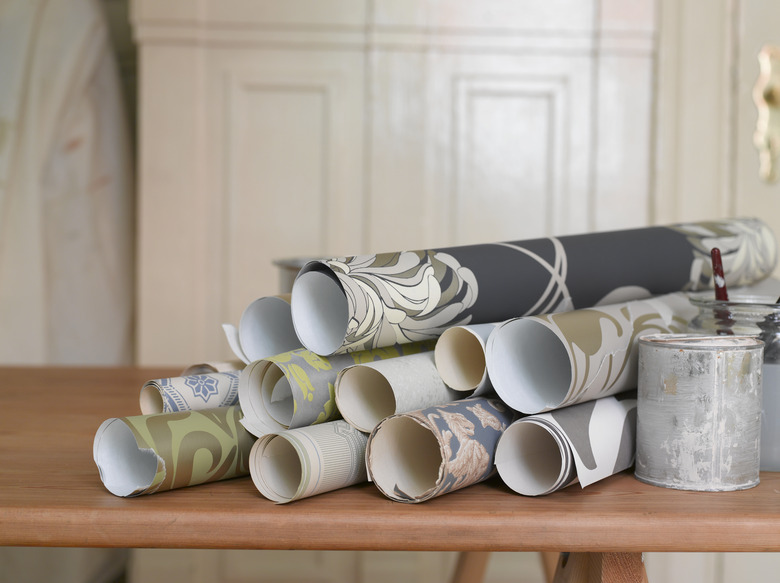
x: 51, y: 495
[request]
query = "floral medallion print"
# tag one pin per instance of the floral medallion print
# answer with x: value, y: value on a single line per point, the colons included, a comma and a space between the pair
x: 192, y: 392
x: 203, y: 388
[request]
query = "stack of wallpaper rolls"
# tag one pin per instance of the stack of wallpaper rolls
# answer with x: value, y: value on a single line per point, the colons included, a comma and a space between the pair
x: 427, y: 371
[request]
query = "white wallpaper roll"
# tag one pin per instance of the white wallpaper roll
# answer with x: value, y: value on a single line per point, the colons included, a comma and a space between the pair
x: 298, y: 463
x: 265, y: 329
x: 460, y: 358
x: 367, y: 393
x: 190, y: 393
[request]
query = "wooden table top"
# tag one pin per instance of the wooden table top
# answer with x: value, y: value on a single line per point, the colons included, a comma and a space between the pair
x: 51, y: 495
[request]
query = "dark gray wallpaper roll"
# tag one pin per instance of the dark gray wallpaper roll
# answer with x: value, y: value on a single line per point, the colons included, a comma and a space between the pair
x: 367, y: 301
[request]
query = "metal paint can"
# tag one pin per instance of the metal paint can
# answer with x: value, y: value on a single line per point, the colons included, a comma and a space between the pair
x: 699, y: 411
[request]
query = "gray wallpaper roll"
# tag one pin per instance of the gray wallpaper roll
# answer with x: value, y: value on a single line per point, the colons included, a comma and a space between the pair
x: 583, y: 443
x: 356, y: 303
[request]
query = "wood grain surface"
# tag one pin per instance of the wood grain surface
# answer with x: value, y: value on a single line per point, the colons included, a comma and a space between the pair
x: 51, y: 495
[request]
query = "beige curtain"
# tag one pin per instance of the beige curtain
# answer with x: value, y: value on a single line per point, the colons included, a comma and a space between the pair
x: 66, y: 207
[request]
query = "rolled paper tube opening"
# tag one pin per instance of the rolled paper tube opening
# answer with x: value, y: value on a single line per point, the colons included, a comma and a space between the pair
x: 124, y: 468
x: 320, y: 312
x: 151, y: 400
x: 364, y: 397
x: 460, y: 359
x: 277, y: 396
x: 405, y: 457
x: 266, y: 328
x: 280, y: 468
x: 529, y: 366
x: 529, y: 459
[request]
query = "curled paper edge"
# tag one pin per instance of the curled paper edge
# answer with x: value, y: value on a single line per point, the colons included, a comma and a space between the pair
x: 515, y: 470
x: 255, y: 418
x: 431, y: 450
x: 266, y: 328
x: 126, y: 469
x: 231, y: 333
x: 601, y: 433
x: 378, y: 461
x: 320, y: 310
x: 547, y: 350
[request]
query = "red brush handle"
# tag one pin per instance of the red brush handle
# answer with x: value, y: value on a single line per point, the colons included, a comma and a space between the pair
x: 721, y: 294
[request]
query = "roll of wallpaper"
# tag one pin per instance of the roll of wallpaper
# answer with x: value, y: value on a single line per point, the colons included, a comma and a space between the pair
x: 144, y: 454
x: 416, y: 456
x: 297, y: 388
x: 367, y: 393
x: 540, y: 363
x: 357, y: 303
x: 460, y: 358
x: 298, y: 463
x: 265, y: 329
x: 190, y: 393
x: 213, y: 366
x: 584, y: 443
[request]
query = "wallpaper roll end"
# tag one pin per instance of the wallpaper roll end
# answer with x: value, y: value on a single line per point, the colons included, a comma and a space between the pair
x: 320, y: 311
x: 125, y: 468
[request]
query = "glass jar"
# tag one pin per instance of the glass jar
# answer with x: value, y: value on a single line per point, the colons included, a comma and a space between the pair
x: 750, y: 316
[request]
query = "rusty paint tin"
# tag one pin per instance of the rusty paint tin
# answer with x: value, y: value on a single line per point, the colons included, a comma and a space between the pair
x: 699, y: 411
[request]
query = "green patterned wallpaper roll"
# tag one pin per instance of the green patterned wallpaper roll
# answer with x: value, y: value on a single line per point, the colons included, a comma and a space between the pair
x: 144, y: 454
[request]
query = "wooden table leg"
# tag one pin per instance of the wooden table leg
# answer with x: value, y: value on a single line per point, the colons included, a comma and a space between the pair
x: 471, y: 567
x: 549, y: 564
x: 601, y: 568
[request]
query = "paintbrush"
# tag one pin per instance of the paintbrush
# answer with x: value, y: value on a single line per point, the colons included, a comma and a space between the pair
x: 721, y: 293
x: 722, y: 315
